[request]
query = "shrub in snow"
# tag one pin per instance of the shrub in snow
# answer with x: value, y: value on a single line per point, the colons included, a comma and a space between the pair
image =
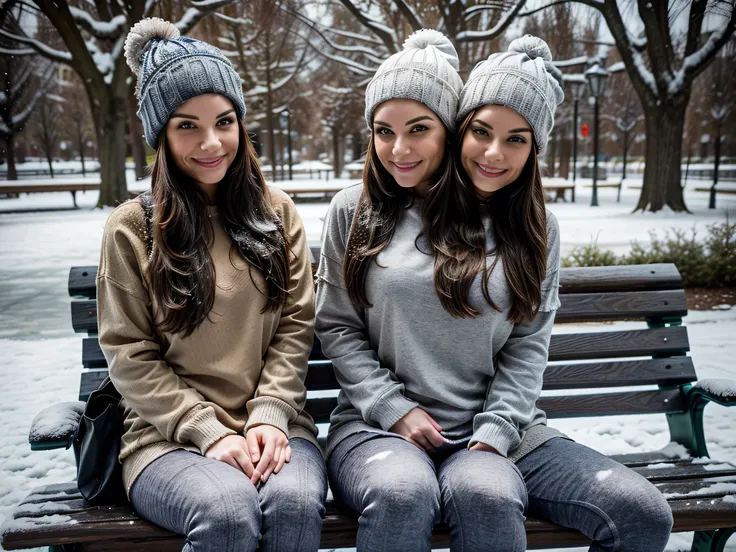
x: 710, y: 262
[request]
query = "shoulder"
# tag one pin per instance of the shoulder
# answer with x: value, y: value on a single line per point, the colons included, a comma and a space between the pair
x: 280, y: 201
x: 345, y: 202
x: 128, y: 218
x: 553, y: 227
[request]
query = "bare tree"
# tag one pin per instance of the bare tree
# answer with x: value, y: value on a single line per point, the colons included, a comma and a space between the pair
x: 46, y: 128
x: 23, y: 80
x: 663, y: 61
x: 93, y: 34
x: 625, y: 113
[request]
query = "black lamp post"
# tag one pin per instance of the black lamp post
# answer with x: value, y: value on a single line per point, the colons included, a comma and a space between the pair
x: 596, y: 76
x: 577, y: 87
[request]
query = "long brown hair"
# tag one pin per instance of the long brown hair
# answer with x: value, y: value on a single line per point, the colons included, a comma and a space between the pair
x: 457, y: 237
x: 376, y: 215
x: 182, y: 272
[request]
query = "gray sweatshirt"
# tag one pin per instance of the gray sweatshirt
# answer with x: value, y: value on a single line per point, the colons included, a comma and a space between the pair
x: 478, y: 378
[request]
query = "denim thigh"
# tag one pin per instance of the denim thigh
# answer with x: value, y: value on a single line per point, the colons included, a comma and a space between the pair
x: 577, y: 487
x: 392, y: 486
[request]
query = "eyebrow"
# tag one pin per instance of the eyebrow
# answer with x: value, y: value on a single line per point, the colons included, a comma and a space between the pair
x: 185, y: 116
x: 407, y: 123
x: 509, y: 132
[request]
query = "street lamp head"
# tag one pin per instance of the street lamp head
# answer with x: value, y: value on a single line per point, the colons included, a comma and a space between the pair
x: 596, y: 76
x: 577, y: 87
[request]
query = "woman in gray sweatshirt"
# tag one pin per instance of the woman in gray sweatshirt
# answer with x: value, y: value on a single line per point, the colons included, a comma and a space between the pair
x: 435, y: 302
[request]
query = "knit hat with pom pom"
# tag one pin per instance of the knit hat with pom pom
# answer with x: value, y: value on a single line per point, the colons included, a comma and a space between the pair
x: 426, y: 70
x: 523, y: 79
x: 172, y: 69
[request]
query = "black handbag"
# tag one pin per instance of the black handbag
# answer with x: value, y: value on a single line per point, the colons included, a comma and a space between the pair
x: 97, y: 446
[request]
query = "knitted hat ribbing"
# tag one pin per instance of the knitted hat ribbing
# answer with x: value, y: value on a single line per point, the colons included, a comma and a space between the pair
x: 173, y: 69
x: 523, y: 79
x: 426, y: 70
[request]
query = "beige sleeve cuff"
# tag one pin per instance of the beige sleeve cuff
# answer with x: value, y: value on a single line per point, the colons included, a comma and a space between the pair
x: 270, y: 411
x: 202, y: 428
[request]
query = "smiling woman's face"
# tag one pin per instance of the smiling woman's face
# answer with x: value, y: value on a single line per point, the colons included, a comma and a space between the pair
x: 410, y: 142
x: 495, y: 148
x: 203, y: 138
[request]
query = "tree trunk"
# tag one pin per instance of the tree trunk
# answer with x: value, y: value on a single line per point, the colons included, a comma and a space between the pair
x: 664, y: 128
x: 136, y: 138
x: 110, y: 136
x: 269, y: 106
x: 626, y: 151
x: 357, y: 145
x: 80, y: 146
x: 716, y: 163
x: 10, y: 154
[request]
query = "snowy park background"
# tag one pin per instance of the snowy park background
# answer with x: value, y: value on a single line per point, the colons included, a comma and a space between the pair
x: 67, y: 102
x: 41, y: 237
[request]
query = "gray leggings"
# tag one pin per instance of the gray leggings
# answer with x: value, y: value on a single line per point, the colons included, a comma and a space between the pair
x: 218, y: 509
x: 400, y: 491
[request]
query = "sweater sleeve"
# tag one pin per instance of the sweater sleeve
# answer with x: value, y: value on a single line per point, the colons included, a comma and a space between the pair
x: 128, y: 340
x: 517, y: 383
x: 281, y: 394
x: 370, y: 387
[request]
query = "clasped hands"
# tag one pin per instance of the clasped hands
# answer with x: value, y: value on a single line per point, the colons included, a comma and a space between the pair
x: 422, y: 431
x: 262, y: 451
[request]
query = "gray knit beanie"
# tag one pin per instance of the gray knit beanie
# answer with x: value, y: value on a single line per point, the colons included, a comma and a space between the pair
x: 523, y: 79
x: 173, y: 69
x: 426, y: 70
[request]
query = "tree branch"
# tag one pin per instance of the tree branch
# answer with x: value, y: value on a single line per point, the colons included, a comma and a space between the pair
x: 199, y: 9
x: 501, y: 26
x: 696, y: 63
x: 40, y: 48
x: 414, y: 22
x: 381, y: 31
x: 99, y: 29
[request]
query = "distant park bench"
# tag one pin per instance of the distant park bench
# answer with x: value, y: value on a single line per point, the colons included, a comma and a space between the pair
x: 605, y: 184
x: 47, y: 172
x: 559, y: 189
x: 14, y: 187
x: 651, y: 362
x: 719, y: 190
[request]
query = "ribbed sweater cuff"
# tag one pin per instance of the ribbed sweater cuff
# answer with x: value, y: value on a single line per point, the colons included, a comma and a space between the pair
x: 204, y: 429
x: 270, y: 411
x: 501, y: 436
x: 390, y: 408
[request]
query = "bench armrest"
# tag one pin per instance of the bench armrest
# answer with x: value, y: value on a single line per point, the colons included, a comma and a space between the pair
x: 54, y: 427
x: 719, y: 391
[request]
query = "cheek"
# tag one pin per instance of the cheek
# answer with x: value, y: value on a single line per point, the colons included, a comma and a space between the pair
x: 469, y: 152
x: 383, y: 151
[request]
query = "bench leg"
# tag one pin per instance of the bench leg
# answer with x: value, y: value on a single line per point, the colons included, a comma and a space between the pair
x: 74, y: 199
x: 711, y: 541
x: 63, y: 548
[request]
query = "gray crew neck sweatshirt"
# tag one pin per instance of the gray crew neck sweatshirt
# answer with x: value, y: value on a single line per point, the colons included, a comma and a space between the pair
x: 478, y: 378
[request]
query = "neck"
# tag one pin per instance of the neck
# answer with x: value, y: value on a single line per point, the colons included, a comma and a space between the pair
x: 211, y: 191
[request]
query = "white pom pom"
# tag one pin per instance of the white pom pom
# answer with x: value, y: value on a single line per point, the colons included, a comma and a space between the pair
x: 532, y: 46
x: 423, y: 38
x: 141, y: 33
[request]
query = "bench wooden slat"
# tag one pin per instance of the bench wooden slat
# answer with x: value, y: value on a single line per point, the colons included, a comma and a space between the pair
x: 608, y: 279
x: 660, y: 342
x: 698, y: 489
x: 590, y: 307
x: 655, y: 371
x: 82, y: 281
x: 602, y: 279
x: 581, y: 307
x: 653, y: 342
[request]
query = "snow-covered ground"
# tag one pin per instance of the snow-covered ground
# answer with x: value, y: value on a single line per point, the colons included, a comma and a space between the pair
x: 41, y: 236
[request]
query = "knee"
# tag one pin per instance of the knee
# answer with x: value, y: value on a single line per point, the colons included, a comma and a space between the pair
x: 648, y: 519
x: 294, y: 501
x: 413, y: 495
x: 228, y: 514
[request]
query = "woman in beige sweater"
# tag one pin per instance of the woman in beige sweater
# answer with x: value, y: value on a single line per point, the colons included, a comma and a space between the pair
x: 205, y: 305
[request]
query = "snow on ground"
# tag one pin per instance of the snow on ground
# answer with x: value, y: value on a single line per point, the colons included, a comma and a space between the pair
x: 41, y: 236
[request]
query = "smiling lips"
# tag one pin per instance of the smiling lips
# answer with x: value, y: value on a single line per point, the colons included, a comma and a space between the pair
x: 405, y: 167
x: 208, y: 162
x: 490, y: 172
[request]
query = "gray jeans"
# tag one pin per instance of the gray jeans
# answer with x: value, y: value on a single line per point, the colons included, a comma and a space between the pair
x: 400, y: 492
x: 217, y: 508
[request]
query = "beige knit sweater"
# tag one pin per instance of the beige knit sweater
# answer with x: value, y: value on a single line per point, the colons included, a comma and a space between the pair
x: 240, y: 368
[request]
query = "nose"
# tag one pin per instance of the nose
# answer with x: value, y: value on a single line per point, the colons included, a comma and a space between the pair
x: 401, y: 147
x: 210, y: 141
x: 493, y: 151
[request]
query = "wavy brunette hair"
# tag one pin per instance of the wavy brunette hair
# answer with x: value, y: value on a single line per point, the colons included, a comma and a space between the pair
x: 374, y: 221
x: 182, y: 272
x: 457, y: 237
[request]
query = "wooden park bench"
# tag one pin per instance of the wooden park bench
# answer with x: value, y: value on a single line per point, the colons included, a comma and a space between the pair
x: 699, y: 491
x: 604, y: 184
x: 14, y: 187
x: 719, y: 190
x: 559, y: 189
